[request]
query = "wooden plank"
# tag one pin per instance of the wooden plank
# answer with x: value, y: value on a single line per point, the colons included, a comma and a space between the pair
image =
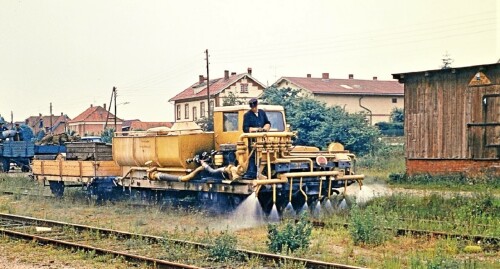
x: 440, y: 121
x: 456, y: 116
x: 76, y: 168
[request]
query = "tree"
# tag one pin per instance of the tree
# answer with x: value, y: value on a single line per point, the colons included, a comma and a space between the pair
x: 447, y: 61
x: 107, y: 135
x: 206, y: 123
x: 232, y: 100
x: 398, y: 115
x: 318, y: 124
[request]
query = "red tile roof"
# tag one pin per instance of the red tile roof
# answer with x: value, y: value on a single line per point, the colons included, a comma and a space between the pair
x: 346, y: 86
x: 216, y: 86
x: 94, y: 114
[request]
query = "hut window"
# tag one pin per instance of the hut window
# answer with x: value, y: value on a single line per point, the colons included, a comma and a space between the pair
x: 186, y: 111
x: 394, y: 100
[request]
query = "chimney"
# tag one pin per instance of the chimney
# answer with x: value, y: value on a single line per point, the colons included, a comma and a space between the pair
x: 326, y: 76
x: 104, y: 105
x: 309, y: 75
x: 233, y: 73
x: 374, y: 78
x: 226, y: 74
x: 91, y: 105
x: 201, y: 79
x: 62, y: 114
x: 249, y: 71
x: 351, y: 76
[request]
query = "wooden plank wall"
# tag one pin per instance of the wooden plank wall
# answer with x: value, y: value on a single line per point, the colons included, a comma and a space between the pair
x: 438, y: 107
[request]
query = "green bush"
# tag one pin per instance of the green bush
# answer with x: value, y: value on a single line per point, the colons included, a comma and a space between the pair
x: 290, y: 236
x: 223, y: 247
x: 318, y: 124
x: 366, y: 227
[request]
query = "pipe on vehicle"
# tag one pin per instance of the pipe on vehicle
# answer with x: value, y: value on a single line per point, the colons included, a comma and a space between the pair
x: 267, y: 134
x: 296, y: 159
x: 155, y: 175
x: 219, y: 172
x: 351, y: 177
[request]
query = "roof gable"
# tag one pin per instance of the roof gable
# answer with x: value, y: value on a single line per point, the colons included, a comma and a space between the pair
x: 216, y: 86
x: 94, y: 114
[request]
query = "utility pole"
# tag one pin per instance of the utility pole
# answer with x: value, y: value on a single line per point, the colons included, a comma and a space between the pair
x: 109, y: 107
x: 208, y: 83
x: 51, y: 117
x: 114, y: 90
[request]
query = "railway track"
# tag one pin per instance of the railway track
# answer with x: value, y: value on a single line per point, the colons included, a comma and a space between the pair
x: 15, y: 226
x: 491, y: 240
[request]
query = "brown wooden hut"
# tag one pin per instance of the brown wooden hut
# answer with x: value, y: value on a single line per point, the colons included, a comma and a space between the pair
x: 452, y: 120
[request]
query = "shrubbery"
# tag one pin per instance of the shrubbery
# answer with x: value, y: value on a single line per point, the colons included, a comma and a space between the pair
x: 290, y: 236
x: 224, y: 247
x: 367, y: 227
x: 318, y: 124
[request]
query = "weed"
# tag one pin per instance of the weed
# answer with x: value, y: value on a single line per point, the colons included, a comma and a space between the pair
x: 368, y: 227
x: 454, y: 181
x: 290, y: 236
x: 224, y: 247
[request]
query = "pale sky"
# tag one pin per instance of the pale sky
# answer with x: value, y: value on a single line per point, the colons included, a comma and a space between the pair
x: 72, y: 53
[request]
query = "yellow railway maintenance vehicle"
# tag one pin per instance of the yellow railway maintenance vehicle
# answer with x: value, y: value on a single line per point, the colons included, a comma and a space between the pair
x: 185, y: 161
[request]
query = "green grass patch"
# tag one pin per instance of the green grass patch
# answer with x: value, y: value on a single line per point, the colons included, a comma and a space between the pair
x: 476, y: 215
x: 446, y: 182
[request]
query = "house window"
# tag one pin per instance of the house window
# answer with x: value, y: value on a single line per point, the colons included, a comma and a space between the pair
x: 212, y: 105
x: 178, y: 112
x: 186, y: 111
x: 202, y: 109
x: 394, y: 100
x: 195, y: 113
x: 244, y: 87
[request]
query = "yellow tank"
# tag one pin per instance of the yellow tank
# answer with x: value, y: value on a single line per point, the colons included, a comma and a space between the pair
x: 165, y: 149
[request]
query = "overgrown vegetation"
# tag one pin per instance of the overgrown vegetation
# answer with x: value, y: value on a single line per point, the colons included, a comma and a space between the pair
x: 368, y: 227
x: 232, y: 100
x: 318, y: 124
x: 383, y: 160
x: 451, y: 181
x: 479, y: 214
x: 224, y: 247
x: 290, y: 236
x: 107, y: 135
x: 394, y: 127
x: 206, y: 123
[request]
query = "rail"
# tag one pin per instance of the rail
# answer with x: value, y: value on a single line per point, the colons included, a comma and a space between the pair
x: 23, y: 220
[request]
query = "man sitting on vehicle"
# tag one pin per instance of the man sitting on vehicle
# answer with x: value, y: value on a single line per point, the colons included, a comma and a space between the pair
x: 254, y: 120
